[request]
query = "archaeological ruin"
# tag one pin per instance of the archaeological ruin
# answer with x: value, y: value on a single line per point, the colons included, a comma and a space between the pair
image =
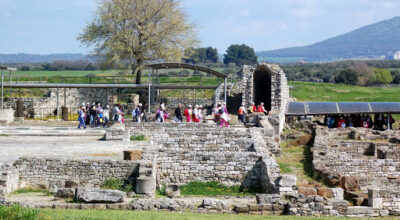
x: 360, y: 168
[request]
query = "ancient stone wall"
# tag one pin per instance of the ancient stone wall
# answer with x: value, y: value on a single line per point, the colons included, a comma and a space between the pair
x: 192, y: 152
x: 88, y: 173
x: 374, y: 162
x: 385, y: 200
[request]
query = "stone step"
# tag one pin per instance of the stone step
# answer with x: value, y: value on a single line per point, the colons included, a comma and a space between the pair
x: 54, y: 132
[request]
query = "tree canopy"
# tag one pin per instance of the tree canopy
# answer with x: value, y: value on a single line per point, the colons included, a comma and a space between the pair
x: 382, y: 76
x: 240, y: 55
x: 347, y: 76
x: 201, y: 55
x: 135, y: 32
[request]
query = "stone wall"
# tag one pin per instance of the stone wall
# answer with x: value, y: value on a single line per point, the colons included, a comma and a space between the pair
x: 88, y: 173
x: 372, y: 161
x: 46, y: 106
x: 6, y: 116
x: 199, y: 152
x: 9, y: 180
x: 385, y: 200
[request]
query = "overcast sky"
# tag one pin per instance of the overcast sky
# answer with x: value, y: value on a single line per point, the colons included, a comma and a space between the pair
x: 52, y: 26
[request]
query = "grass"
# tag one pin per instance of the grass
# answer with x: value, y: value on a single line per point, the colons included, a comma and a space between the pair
x: 31, y: 190
x: 139, y: 138
x: 297, y: 159
x: 16, y: 212
x: 215, y: 188
x: 117, y: 184
x: 328, y: 92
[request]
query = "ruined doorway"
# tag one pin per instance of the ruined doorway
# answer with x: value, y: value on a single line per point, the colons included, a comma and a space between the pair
x: 262, y: 86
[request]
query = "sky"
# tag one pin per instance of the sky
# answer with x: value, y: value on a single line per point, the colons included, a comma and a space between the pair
x: 52, y: 26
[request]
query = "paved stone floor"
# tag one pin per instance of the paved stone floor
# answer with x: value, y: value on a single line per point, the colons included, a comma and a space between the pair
x: 59, y: 142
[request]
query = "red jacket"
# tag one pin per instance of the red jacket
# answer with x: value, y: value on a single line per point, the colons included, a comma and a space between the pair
x: 261, y: 109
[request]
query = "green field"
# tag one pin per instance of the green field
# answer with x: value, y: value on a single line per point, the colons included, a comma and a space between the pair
x: 114, y: 215
x: 327, y: 92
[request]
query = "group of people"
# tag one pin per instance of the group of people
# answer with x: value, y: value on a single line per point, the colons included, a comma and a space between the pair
x: 94, y: 115
x: 380, y: 121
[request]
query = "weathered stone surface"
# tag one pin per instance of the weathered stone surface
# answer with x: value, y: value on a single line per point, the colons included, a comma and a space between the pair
x: 351, y: 183
x: 384, y: 213
x: 325, y: 192
x: 287, y: 180
x: 145, y: 185
x: 356, y: 210
x: 133, y: 155
x: 65, y: 193
x: 307, y: 191
x: 99, y: 195
x: 71, y: 184
x: 214, y: 204
x: 337, y: 193
x: 267, y: 198
x: 131, y: 194
x: 173, y: 191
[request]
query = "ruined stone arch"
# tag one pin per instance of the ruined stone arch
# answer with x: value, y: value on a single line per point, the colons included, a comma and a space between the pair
x: 262, y: 86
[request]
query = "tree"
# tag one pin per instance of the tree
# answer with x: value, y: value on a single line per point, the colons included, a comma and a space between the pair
x: 396, y: 79
x: 135, y: 32
x: 381, y: 76
x: 201, y: 55
x: 347, y: 76
x: 240, y: 55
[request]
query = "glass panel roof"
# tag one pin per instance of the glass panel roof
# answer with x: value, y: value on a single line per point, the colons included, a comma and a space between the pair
x: 296, y: 108
x: 316, y: 108
x: 354, y: 107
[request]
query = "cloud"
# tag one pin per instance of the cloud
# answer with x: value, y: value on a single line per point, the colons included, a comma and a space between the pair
x: 6, y: 7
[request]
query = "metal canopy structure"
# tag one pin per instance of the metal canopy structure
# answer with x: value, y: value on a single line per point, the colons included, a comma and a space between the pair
x: 341, y: 108
x: 186, y: 66
x: 2, y: 68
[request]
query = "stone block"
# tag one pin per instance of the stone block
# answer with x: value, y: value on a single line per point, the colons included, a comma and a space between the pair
x: 350, y: 183
x: 359, y: 210
x: 242, y: 209
x: 173, y: 191
x: 267, y: 198
x: 71, y: 184
x: 375, y: 203
x: 145, y: 185
x: 384, y: 213
x: 338, y: 193
x: 287, y: 180
x: 325, y: 192
x: 65, y: 193
x: 307, y: 191
x: 214, y: 204
x: 99, y: 195
x: 133, y: 155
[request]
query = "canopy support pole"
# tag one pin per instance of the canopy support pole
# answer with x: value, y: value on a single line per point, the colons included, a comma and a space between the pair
x: 225, y: 95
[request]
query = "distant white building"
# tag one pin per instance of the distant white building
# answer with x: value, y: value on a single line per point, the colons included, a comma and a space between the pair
x: 396, y: 56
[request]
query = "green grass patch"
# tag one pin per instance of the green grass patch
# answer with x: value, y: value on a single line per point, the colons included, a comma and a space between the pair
x: 139, y: 215
x: 285, y: 167
x: 16, y: 212
x: 117, y: 184
x: 215, y: 188
x: 31, y: 190
x: 139, y: 138
x: 329, y: 92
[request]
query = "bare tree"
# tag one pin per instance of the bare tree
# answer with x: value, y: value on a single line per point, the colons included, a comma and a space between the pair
x: 139, y: 31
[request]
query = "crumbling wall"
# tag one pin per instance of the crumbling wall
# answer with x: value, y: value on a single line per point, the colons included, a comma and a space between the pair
x: 371, y: 160
x: 88, y: 173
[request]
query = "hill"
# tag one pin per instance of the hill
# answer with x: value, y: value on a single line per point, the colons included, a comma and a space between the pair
x: 376, y: 41
x: 36, y: 58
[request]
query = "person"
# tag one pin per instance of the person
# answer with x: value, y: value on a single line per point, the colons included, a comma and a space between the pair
x: 217, y: 115
x: 195, y: 115
x: 81, y: 118
x: 224, y: 116
x: 178, y: 114
x: 92, y: 113
x: 241, y: 114
x: 160, y: 114
x: 120, y: 115
x: 87, y: 117
x: 341, y: 123
x: 389, y: 121
x: 106, y: 115
x: 99, y: 113
x: 261, y: 108
x: 137, y: 113
x: 201, y: 114
x: 252, y: 108
x: 188, y: 114
x: 116, y: 112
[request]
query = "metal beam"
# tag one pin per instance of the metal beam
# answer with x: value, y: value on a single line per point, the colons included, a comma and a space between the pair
x: 104, y: 86
x: 2, y: 89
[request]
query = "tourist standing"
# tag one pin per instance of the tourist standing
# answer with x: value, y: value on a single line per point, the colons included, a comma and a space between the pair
x: 178, y: 114
x: 106, y: 115
x: 195, y: 115
x: 224, y: 116
x: 252, y: 108
x: 261, y: 108
x: 201, y: 117
x: 242, y: 114
x: 188, y: 114
x: 81, y: 118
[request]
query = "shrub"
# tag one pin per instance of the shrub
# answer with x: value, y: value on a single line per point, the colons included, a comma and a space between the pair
x: 381, y: 76
x: 117, y: 184
x: 20, y: 213
x: 138, y: 138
